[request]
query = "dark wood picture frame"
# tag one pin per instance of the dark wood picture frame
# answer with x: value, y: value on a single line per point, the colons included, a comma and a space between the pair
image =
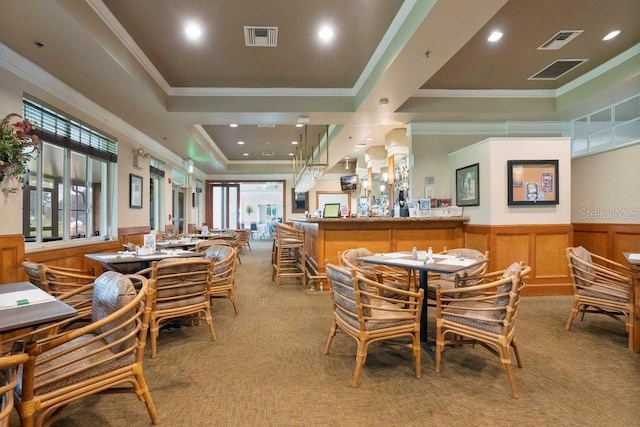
x: 533, y: 183
x: 135, y: 191
x: 468, y: 185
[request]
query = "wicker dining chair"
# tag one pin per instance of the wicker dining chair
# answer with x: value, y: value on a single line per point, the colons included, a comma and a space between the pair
x: 244, y: 238
x: 483, y: 313
x: 447, y: 281
x: 59, y: 281
x: 9, y: 365
x: 97, y: 358
x: 362, y: 311
x: 601, y: 286
x: 181, y: 290
x: 223, y: 282
x: 391, y: 276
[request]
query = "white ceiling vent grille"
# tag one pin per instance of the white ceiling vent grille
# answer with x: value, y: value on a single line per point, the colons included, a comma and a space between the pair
x: 560, y: 39
x: 261, y: 36
x: 557, y: 69
x: 268, y: 154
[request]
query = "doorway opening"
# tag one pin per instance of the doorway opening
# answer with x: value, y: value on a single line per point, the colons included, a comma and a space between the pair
x: 253, y: 205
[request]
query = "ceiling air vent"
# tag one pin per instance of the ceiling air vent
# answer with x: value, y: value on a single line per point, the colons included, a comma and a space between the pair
x: 268, y: 154
x: 560, y: 39
x: 261, y: 36
x: 557, y: 69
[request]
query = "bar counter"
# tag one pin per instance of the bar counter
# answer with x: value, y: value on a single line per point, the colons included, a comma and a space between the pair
x: 325, y: 237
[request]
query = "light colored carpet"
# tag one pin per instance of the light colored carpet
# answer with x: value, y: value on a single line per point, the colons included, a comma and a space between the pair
x: 267, y: 369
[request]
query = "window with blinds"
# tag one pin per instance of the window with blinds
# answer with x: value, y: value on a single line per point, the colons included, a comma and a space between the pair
x: 70, y: 190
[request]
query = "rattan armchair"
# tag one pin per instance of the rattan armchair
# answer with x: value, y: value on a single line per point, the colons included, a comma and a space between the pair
x: 362, y: 311
x: 447, y: 281
x: 223, y: 282
x: 8, y: 380
x: 181, y: 291
x: 99, y: 357
x: 395, y: 277
x: 484, y: 314
x: 244, y: 238
x: 61, y: 279
x: 601, y: 286
x: 203, y: 245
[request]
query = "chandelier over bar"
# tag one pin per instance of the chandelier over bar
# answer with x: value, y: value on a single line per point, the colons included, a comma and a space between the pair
x: 307, y: 165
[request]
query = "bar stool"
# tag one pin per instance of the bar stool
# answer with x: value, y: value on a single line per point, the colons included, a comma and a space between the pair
x: 288, y: 255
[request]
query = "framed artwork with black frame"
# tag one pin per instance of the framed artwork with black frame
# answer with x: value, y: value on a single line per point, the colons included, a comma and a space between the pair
x: 532, y: 182
x: 135, y: 191
x: 468, y: 185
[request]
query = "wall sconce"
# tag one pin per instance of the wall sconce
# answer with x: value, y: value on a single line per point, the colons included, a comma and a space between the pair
x: 190, y: 165
x: 137, y: 153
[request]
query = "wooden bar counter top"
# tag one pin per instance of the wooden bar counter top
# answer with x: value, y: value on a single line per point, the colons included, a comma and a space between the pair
x: 325, y: 237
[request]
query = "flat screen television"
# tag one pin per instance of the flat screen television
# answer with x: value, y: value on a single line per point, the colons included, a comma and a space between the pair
x: 349, y: 182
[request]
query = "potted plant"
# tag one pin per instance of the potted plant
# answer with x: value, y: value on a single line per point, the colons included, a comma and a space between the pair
x: 17, y: 147
x: 249, y: 210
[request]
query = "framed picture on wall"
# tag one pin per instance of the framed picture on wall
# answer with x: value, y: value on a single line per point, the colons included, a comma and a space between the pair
x: 135, y: 191
x: 468, y: 185
x: 532, y: 182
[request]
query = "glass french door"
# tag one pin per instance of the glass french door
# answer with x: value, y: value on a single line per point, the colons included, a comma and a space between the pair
x: 226, y: 206
x: 179, y: 197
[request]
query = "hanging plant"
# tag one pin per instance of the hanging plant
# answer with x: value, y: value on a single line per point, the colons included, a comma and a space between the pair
x: 17, y: 147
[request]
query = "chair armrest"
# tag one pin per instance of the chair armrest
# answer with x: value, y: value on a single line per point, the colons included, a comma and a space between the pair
x: 610, y: 264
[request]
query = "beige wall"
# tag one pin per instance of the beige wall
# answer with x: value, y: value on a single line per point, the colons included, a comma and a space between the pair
x: 430, y: 158
x: 492, y: 155
x: 605, y: 187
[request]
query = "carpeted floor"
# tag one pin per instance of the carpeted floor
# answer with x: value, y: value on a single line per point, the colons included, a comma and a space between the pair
x: 267, y: 369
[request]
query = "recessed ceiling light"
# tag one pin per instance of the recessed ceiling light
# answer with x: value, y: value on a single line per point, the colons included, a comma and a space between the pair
x: 369, y: 138
x: 294, y: 142
x: 291, y: 154
x: 495, y: 36
x: 611, y: 35
x: 193, y: 31
x: 245, y: 154
x: 234, y: 125
x: 299, y: 125
x: 325, y: 34
x: 240, y: 142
